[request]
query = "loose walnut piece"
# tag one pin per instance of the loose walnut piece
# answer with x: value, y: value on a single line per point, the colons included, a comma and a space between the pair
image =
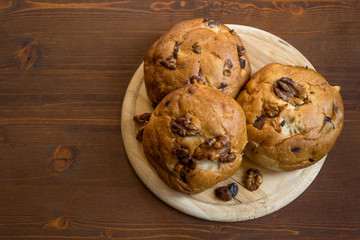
x: 223, y: 193
x: 289, y: 91
x: 182, y: 126
x: 253, y: 179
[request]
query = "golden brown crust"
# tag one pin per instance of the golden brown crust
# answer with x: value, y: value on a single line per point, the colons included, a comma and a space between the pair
x: 196, y: 51
x: 306, y: 126
x: 215, y: 129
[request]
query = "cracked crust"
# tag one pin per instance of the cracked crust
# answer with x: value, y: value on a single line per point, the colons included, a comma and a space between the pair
x: 217, y: 44
x: 214, y: 114
x: 301, y: 134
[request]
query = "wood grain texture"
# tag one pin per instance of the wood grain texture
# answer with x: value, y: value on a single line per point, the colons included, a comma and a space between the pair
x: 72, y: 95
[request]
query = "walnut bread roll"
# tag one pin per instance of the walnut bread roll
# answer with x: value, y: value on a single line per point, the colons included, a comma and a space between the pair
x: 198, y: 51
x: 195, y: 137
x: 293, y: 117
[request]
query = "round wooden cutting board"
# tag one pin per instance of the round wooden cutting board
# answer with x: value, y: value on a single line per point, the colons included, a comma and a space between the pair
x: 278, y: 188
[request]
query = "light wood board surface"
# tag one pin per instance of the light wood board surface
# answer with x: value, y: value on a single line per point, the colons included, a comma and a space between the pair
x: 278, y: 188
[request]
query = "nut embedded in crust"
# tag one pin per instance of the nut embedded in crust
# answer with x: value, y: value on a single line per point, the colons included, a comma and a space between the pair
x: 288, y: 90
x: 214, y: 149
x: 182, y: 126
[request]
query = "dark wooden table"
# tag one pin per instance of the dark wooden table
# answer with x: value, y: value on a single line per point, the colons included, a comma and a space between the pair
x: 64, y: 69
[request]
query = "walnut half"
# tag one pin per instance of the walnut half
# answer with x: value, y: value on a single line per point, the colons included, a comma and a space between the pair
x: 253, y: 179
